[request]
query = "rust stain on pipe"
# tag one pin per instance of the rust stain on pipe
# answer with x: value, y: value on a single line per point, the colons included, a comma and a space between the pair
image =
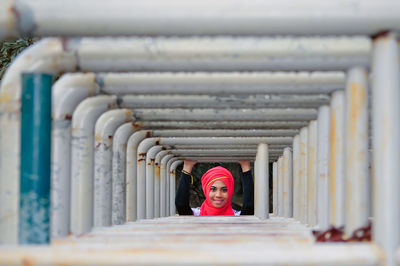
x: 97, y: 137
x: 14, y: 14
x: 128, y: 115
x: 137, y: 125
x: 357, y: 97
x: 156, y: 171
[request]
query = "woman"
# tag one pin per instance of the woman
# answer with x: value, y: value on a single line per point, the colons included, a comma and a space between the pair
x: 218, y: 187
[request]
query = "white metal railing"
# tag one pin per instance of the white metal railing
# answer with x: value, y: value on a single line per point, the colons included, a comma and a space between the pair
x: 320, y: 170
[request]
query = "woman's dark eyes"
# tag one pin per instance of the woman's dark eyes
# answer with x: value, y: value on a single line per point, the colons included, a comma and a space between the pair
x: 224, y: 189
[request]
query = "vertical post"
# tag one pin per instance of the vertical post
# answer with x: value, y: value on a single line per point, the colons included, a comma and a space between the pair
x: 303, y: 174
x: 312, y: 174
x: 296, y: 178
x: 337, y: 159
x: 287, y: 183
x: 163, y: 185
x: 275, y: 188
x: 322, y: 167
x: 280, y: 187
x: 261, y: 182
x: 386, y: 143
x: 172, y: 182
x: 357, y: 176
x: 141, y: 186
x: 34, y: 214
x: 168, y: 186
x: 150, y: 204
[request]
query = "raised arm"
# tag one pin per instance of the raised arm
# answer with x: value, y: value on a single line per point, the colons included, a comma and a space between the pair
x: 182, y: 193
x: 248, y: 188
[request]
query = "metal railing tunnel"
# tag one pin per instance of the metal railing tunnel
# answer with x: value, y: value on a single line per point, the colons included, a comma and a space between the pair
x: 322, y: 112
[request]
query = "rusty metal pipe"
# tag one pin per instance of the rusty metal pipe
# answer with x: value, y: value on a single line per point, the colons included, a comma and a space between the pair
x: 296, y: 178
x: 280, y: 186
x: 287, y: 183
x: 105, y: 128
x: 312, y: 174
x: 159, y: 188
x: 149, y: 181
x: 207, y: 18
x: 303, y: 172
x: 261, y: 201
x: 119, y: 184
x: 172, y: 185
x: 131, y: 174
x: 219, y: 83
x: 322, y: 167
x: 337, y: 159
x: 223, y: 101
x: 168, y: 185
x: 227, y: 115
x: 83, y: 126
x: 386, y: 143
x: 357, y: 174
x: 164, y: 174
x: 275, y: 188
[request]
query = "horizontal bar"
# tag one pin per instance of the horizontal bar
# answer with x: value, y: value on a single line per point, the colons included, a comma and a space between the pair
x: 222, y: 83
x: 226, y: 114
x: 225, y: 17
x: 224, y: 132
x: 219, y: 124
x: 220, y: 102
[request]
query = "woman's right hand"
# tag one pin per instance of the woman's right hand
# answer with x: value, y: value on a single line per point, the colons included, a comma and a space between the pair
x: 188, y: 166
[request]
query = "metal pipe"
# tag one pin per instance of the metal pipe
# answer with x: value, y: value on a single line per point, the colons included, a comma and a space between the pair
x: 120, y: 141
x: 212, y: 152
x: 337, y: 159
x: 172, y: 186
x: 209, y: 159
x: 159, y: 188
x: 83, y: 126
x: 275, y: 188
x: 261, y: 201
x: 168, y: 186
x: 105, y: 128
x: 220, y: 124
x: 225, y: 132
x: 323, y: 130
x: 10, y: 124
x: 221, y: 101
x: 163, y: 188
x: 386, y: 141
x: 221, y: 83
x: 312, y: 174
x: 131, y: 173
x: 206, y: 18
x: 58, y: 55
x: 34, y: 211
x: 149, y: 182
x: 225, y: 114
x: 296, y: 178
x: 303, y: 173
x: 357, y: 174
x: 287, y: 183
x: 67, y: 93
x: 280, y: 187
x: 273, y: 147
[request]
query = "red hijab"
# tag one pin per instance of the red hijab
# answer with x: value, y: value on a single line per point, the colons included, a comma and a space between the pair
x: 212, y: 175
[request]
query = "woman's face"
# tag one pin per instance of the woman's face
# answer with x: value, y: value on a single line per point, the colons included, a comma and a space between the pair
x: 218, y: 194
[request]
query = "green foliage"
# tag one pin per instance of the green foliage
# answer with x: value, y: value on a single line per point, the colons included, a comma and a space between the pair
x: 9, y: 49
